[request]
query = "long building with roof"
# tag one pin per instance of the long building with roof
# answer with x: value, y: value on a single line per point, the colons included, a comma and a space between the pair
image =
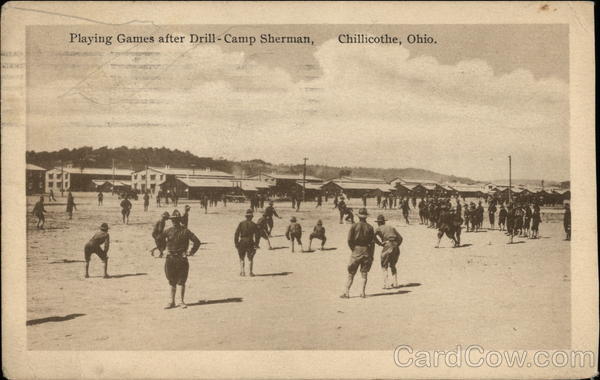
x: 81, y: 179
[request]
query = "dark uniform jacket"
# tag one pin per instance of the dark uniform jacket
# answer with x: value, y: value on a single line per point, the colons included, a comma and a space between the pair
x: 247, y: 230
x: 177, y: 240
x: 361, y: 234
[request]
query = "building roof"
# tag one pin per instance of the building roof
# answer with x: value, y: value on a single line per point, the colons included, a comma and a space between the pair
x: 189, y: 172
x: 360, y: 179
x: 205, y: 182
x: 347, y: 185
x: 289, y: 176
x: 311, y: 186
x: 467, y: 188
x: 34, y: 167
x: 93, y: 171
x: 419, y: 181
x: 100, y: 182
x: 251, y: 185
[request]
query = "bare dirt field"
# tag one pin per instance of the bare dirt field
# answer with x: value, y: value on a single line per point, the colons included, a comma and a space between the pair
x: 488, y: 292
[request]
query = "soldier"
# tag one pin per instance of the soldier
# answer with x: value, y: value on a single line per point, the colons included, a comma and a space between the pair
x: 176, y: 239
x: 405, y: 210
x: 335, y: 202
x: 364, y: 200
x: 38, y: 212
x: 567, y: 221
x: 100, y: 198
x: 318, y: 233
x: 186, y: 216
x: 293, y: 201
x: 421, y: 207
x: 159, y: 228
x: 378, y: 200
x: 205, y: 203
x: 298, y: 202
x: 502, y: 217
x: 526, y: 220
x: 263, y: 230
x: 146, y: 201
x: 319, y: 201
x: 361, y: 241
x: 51, y: 196
x: 70, y: 204
x: 175, y: 198
x: 349, y: 215
x: 126, y: 209
x: 480, y: 212
x: 246, y: 240
x: 294, y: 232
x: 492, y: 214
x: 536, y: 219
x: 269, y: 213
x: 341, y: 206
x: 158, y: 196
x: 94, y: 246
x: 387, y: 237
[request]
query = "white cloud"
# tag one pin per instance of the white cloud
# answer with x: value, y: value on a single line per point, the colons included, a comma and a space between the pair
x: 373, y: 105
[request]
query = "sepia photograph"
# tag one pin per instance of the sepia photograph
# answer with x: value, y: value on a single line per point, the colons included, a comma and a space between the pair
x: 301, y: 186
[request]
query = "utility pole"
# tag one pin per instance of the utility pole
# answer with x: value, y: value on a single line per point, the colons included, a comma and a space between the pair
x: 510, y: 179
x: 62, y: 179
x: 113, y: 176
x: 304, y: 180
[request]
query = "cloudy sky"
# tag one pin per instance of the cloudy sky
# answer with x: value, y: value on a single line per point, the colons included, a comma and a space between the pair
x: 460, y: 106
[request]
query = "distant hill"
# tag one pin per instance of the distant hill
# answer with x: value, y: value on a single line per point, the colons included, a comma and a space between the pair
x: 138, y: 158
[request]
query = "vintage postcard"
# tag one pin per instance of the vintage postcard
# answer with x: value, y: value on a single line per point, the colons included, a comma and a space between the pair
x: 298, y: 190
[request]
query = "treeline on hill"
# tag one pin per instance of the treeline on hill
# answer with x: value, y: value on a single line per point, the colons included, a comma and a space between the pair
x: 138, y: 158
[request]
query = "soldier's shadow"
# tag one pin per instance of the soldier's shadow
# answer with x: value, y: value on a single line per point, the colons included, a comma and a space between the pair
x: 389, y: 293
x: 212, y: 302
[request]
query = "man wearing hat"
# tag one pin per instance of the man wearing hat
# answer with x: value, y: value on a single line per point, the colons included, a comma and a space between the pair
x: 294, y: 232
x: 318, y: 233
x: 387, y: 237
x: 269, y: 213
x: 263, y: 230
x: 361, y: 240
x: 94, y: 246
x: 186, y: 215
x: 159, y: 227
x: 177, y: 239
x: 246, y: 240
x: 567, y: 221
x: 126, y: 209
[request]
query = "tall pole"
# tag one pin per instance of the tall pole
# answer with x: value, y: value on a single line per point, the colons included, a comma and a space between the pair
x: 113, y: 175
x: 510, y: 179
x: 304, y: 180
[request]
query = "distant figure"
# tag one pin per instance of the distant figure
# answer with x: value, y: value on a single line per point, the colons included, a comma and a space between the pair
x: 341, y: 206
x: 526, y: 220
x: 94, y: 246
x: 175, y: 199
x: 318, y: 233
x: 387, y: 237
x: 294, y: 233
x: 361, y: 240
x: 177, y: 239
x: 159, y: 228
x: 492, y: 214
x: 298, y: 202
x: 269, y: 213
x: 51, y: 196
x: 205, y: 203
x: 405, y: 210
x: 126, y: 209
x: 319, y: 201
x: 70, y: 205
x: 261, y: 200
x: 335, y: 202
x: 246, y: 239
x: 158, y: 196
x: 567, y: 221
x: 146, y: 201
x: 167, y: 196
x: 378, y: 201
x: 225, y: 201
x: 536, y: 219
x: 502, y: 218
x: 293, y: 201
x: 364, y: 200
x: 38, y: 212
x: 100, y: 198
x: 186, y: 216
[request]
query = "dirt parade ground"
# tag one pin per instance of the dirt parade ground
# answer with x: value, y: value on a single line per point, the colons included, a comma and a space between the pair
x: 486, y: 292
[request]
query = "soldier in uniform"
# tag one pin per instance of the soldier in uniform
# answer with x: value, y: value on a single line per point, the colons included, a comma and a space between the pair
x: 318, y: 233
x: 319, y: 201
x: 146, y: 200
x: 364, y: 200
x: 126, y: 209
x: 492, y: 214
x: 246, y: 240
x: 51, y: 196
x: 176, y: 239
x: 387, y: 237
x: 361, y: 240
x: 567, y: 221
x: 341, y: 206
x: 158, y: 196
x: 263, y: 230
x: 186, y: 216
x: 294, y: 233
x: 100, y: 198
x: 269, y: 213
x: 159, y: 227
x: 38, y: 212
x: 94, y: 245
x: 405, y: 210
x: 536, y: 219
x: 502, y: 217
x: 70, y: 205
x: 526, y: 219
